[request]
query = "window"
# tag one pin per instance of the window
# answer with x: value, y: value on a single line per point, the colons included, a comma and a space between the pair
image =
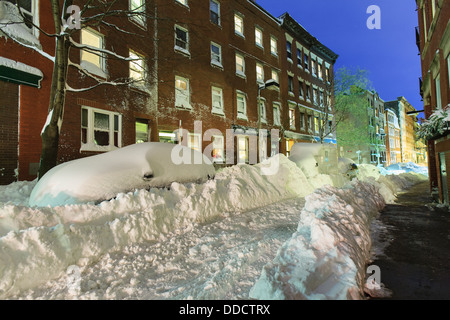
x: 138, y: 6
x: 217, y: 100
x: 289, y: 50
x: 299, y: 58
x: 218, y: 149
x: 91, y: 60
x: 321, y: 98
x: 240, y: 65
x: 302, y: 120
x: 101, y: 130
x: 259, y: 72
x: 275, y: 76
x: 181, y: 39
x: 214, y: 11
x: 327, y: 74
x: 241, y: 106
x: 306, y: 61
x: 300, y: 89
x: 182, y: 94
x: 308, y: 92
x: 310, y: 122
x: 195, y: 141
x: 289, y: 144
x: 313, y: 67
x: 242, y: 149
x: 273, y: 46
x: 315, y: 101
x: 329, y: 101
x: 137, y: 68
x: 142, y: 131
x: 258, y: 37
x: 320, y: 71
x: 238, y: 25
x: 316, y: 124
x: 262, y: 110
x: 292, y: 117
x: 290, y: 84
x: 216, y: 55
x: 276, y: 114
x: 28, y: 9
x: 167, y: 137
x: 437, y: 82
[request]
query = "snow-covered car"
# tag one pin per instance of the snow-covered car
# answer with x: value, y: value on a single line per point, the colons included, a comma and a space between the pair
x: 102, y: 177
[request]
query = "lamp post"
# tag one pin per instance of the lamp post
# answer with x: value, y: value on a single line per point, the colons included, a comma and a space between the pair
x: 269, y: 83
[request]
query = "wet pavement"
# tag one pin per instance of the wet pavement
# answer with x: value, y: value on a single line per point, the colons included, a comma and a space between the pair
x: 415, y: 263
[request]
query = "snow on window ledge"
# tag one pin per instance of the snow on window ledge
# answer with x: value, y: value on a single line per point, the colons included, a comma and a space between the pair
x: 218, y: 111
x: 242, y: 117
x: 182, y: 50
x: 96, y: 148
x: 216, y: 64
x: 92, y: 68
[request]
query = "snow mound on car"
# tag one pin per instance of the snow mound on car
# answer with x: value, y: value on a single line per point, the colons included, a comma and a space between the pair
x: 102, y: 177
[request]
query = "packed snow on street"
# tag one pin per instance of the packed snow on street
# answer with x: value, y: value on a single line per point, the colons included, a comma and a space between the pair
x: 231, y: 233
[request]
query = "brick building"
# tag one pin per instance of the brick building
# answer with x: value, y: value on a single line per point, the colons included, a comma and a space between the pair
x: 208, y: 61
x: 393, y: 142
x: 434, y: 46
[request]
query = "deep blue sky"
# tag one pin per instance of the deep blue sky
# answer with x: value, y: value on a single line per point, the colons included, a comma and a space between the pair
x: 390, y: 55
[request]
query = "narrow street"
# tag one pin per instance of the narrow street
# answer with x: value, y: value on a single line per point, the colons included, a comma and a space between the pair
x: 415, y: 264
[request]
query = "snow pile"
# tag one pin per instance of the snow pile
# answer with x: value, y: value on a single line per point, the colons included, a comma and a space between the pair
x: 103, y: 176
x: 11, y: 24
x: 38, y: 244
x: 398, y: 168
x: 325, y: 258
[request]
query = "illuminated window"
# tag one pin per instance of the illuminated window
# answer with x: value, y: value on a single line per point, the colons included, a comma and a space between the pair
x: 101, y: 130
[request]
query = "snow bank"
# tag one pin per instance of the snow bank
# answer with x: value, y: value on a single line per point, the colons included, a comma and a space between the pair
x: 325, y: 258
x: 103, y: 176
x: 38, y: 244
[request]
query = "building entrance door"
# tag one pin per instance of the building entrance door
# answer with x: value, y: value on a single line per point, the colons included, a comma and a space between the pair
x: 443, y: 169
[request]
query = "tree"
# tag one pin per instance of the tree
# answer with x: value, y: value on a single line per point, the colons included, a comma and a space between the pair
x: 68, y: 20
x: 351, y: 114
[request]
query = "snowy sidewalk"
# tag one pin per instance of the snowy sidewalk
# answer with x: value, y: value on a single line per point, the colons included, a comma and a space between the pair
x: 415, y: 263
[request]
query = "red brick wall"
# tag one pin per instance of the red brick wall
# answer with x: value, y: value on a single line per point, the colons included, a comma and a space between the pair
x: 9, y: 135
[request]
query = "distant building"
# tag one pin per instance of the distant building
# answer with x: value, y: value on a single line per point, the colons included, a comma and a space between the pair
x: 393, y: 143
x: 433, y: 40
x: 407, y: 123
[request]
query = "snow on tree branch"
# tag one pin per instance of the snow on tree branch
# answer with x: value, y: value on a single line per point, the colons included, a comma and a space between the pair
x: 436, y: 124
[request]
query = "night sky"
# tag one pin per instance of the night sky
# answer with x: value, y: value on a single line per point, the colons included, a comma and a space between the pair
x: 389, y: 54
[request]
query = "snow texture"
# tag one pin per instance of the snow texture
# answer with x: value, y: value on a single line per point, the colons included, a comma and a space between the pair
x: 20, y: 66
x: 38, y: 244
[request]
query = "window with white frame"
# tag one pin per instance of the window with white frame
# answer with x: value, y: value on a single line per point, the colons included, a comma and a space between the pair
x: 273, y: 46
x: 315, y: 100
x: 313, y: 67
x: 182, y: 93
x: 262, y: 110
x: 218, y: 152
x: 302, y: 120
x: 258, y: 37
x: 216, y: 55
x: 238, y: 24
x: 306, y: 61
x: 292, y: 116
x: 240, y: 65
x: 241, y: 103
x: 181, y: 39
x: 310, y: 122
x: 217, y: 100
x: 320, y: 70
x: 101, y: 130
x: 138, y: 9
x: 308, y: 92
x: 259, y: 72
x: 316, y: 124
x: 91, y: 60
x: 137, y: 68
x: 29, y: 9
x: 195, y: 141
x: 242, y: 149
x: 321, y: 98
x: 214, y: 11
x: 276, y: 114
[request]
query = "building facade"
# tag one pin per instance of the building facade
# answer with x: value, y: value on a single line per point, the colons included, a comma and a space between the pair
x: 434, y: 47
x: 393, y: 142
x: 218, y: 70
